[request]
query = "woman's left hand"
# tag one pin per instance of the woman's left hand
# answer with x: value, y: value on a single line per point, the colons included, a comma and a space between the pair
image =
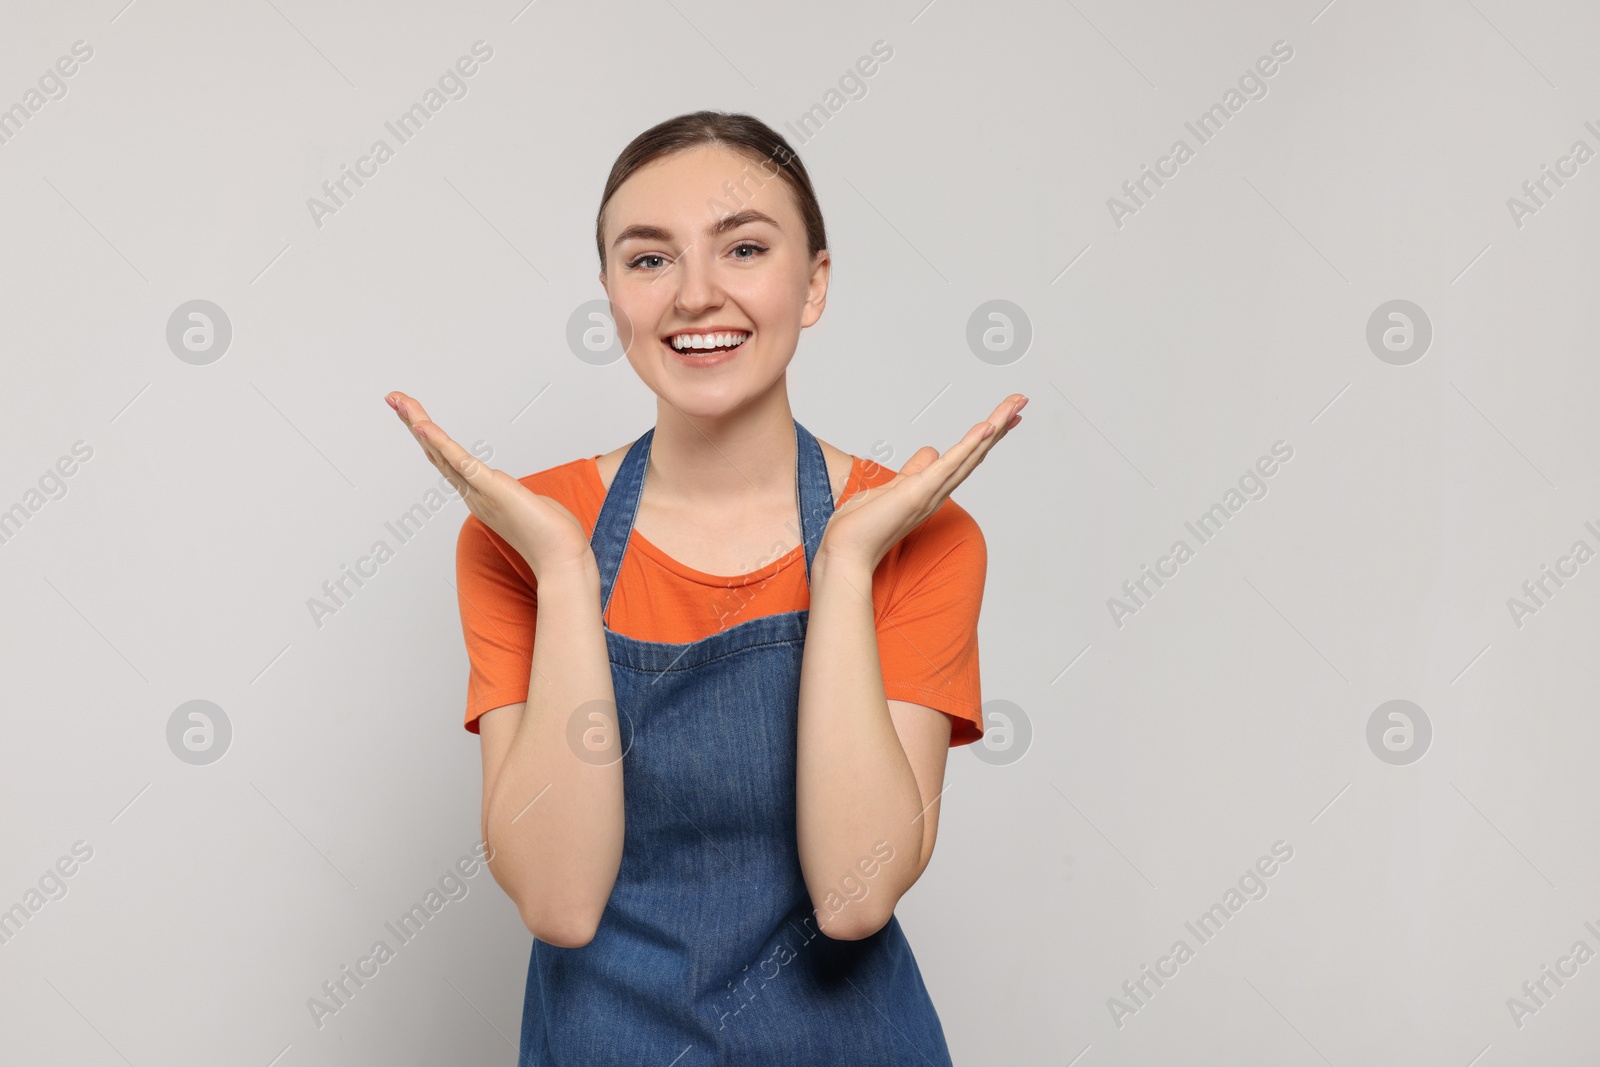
x: 872, y: 521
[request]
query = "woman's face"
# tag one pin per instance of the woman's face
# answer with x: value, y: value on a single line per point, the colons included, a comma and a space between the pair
x: 701, y: 242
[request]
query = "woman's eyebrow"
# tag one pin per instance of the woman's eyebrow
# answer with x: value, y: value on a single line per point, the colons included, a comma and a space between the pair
x: 740, y: 218
x: 641, y: 232
x: 644, y: 232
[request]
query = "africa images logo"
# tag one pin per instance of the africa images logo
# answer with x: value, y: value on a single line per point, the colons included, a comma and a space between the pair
x: 452, y: 86
x: 1252, y: 85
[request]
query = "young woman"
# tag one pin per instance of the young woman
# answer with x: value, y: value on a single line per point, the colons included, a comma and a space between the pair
x: 706, y: 786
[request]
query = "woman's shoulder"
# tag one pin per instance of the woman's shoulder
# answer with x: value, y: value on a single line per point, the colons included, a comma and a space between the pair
x: 566, y: 478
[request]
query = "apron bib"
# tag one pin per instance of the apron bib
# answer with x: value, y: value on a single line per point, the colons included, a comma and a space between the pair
x: 708, y: 953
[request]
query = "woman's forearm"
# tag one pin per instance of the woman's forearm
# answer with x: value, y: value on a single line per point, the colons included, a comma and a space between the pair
x: 555, y: 818
x: 855, y: 788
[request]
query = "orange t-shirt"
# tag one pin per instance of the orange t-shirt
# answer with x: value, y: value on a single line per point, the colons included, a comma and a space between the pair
x: 926, y: 593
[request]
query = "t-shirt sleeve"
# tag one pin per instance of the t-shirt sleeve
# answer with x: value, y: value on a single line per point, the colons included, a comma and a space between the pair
x: 495, y: 592
x: 928, y: 631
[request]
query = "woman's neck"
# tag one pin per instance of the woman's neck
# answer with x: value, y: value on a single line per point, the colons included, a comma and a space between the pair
x: 713, y: 462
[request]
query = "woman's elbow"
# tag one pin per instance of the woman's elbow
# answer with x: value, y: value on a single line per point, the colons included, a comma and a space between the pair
x: 562, y: 931
x: 856, y: 921
x: 562, y: 923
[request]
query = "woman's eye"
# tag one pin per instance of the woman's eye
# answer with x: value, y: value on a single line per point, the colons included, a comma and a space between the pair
x: 640, y: 260
x: 753, y: 248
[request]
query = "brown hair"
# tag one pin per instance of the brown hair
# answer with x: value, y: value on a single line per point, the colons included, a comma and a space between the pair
x: 745, y: 134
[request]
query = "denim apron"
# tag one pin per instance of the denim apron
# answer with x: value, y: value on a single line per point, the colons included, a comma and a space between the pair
x: 708, y: 952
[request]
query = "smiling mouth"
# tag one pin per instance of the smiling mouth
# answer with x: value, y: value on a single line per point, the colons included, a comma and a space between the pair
x: 706, y: 344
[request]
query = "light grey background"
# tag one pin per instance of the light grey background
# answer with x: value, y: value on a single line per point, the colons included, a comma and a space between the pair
x: 1168, y: 354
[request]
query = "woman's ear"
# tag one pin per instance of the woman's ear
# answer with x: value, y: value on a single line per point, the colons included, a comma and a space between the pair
x: 816, y: 289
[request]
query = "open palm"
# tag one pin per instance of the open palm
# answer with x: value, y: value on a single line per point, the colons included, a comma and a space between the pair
x: 867, y: 525
x: 541, y: 528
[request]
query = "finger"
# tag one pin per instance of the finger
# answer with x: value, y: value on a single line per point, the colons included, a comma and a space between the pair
x: 982, y: 437
x: 430, y: 449
x: 413, y: 415
x: 408, y: 409
x: 405, y: 409
x: 464, y: 470
x: 1000, y: 420
x: 920, y: 460
x: 430, y: 437
x: 951, y: 469
x: 1002, y: 415
x: 1015, y: 413
x: 941, y: 468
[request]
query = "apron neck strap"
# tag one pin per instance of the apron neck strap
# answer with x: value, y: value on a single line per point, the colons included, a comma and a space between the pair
x: 813, y: 494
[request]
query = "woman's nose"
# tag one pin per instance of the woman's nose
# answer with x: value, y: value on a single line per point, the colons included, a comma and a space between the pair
x: 697, y: 283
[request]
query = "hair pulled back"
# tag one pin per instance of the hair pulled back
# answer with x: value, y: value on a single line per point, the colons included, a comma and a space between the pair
x: 744, y: 134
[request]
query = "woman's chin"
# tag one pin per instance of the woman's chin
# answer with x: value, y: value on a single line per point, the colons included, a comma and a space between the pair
x: 705, y: 399
x: 701, y: 404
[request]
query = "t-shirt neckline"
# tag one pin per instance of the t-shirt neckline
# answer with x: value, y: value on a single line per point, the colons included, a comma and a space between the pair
x: 720, y: 581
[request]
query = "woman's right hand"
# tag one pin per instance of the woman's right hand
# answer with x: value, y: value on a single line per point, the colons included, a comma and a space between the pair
x: 539, y: 527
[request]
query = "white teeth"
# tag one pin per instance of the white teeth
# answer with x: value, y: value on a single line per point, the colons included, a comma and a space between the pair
x: 685, y: 341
